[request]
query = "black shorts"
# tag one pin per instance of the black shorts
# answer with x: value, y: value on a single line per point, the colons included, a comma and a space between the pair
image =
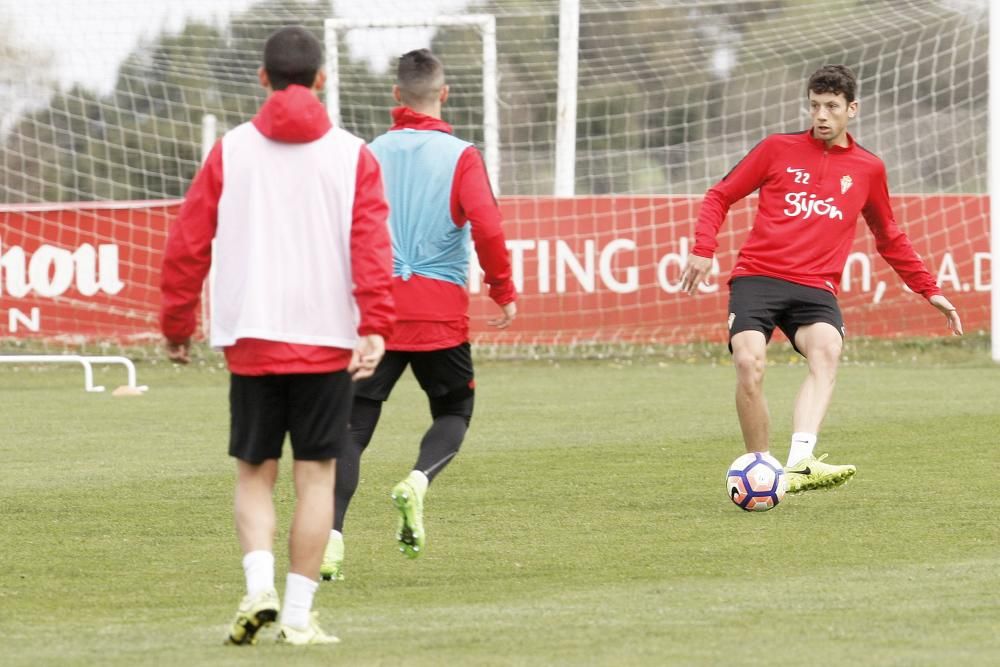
x: 439, y: 372
x: 759, y: 303
x: 313, y: 408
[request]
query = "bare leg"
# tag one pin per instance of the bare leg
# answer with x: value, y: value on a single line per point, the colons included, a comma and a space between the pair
x: 750, y: 359
x: 254, y: 505
x: 821, y: 344
x: 313, y: 516
x: 255, y: 522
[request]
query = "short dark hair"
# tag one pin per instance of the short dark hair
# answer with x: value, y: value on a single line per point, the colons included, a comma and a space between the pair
x: 419, y: 75
x: 836, y: 79
x: 292, y: 55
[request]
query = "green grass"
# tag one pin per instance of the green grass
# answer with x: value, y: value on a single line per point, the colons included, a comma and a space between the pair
x: 584, y: 523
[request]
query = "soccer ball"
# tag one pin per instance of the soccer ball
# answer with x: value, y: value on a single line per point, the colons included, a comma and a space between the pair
x: 756, y: 482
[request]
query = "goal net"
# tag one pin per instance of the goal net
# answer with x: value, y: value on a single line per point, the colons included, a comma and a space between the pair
x: 104, y: 112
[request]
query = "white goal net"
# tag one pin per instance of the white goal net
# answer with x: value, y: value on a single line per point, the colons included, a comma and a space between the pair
x: 104, y: 108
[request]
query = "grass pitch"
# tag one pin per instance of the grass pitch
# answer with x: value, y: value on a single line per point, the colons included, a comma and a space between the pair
x: 584, y: 523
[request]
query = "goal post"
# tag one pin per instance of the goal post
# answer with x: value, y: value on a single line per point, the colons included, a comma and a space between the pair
x: 484, y: 23
x: 569, y: 49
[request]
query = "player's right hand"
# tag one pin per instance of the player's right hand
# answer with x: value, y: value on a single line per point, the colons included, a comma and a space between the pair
x: 509, y: 313
x: 179, y: 353
x: 695, y: 271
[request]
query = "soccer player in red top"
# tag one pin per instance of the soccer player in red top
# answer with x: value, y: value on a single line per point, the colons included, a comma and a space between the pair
x: 440, y: 204
x: 813, y: 185
x: 301, y: 305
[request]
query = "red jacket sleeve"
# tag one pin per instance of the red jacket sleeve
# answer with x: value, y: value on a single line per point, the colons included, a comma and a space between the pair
x: 747, y: 176
x: 472, y: 199
x: 891, y: 242
x: 371, y: 250
x: 188, y: 255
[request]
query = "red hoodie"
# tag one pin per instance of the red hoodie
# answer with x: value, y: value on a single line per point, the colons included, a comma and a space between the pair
x: 433, y: 314
x: 810, y: 199
x: 293, y: 115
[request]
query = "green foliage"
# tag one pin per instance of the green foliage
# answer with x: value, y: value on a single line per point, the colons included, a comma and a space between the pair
x: 585, y: 522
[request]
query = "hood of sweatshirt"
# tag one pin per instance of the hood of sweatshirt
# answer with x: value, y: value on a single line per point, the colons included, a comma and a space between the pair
x: 293, y: 115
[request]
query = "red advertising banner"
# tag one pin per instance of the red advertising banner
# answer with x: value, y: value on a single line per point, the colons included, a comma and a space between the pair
x: 589, y: 269
x: 605, y: 269
x: 79, y: 272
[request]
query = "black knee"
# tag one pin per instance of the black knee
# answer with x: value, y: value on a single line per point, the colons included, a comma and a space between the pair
x: 457, y: 403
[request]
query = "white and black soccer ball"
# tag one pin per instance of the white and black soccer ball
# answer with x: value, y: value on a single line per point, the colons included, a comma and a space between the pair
x: 756, y: 482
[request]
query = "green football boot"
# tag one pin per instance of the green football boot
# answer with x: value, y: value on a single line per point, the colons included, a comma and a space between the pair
x: 410, y: 531
x: 811, y: 473
x: 333, y: 560
x: 254, y: 613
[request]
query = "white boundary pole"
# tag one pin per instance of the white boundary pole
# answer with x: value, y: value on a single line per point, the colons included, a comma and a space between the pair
x: 491, y: 109
x: 209, y: 133
x: 487, y: 26
x: 994, y: 178
x: 569, y: 47
x: 332, y: 70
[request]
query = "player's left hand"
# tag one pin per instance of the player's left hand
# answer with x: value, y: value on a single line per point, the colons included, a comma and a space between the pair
x: 366, y: 355
x: 509, y: 313
x: 942, y: 303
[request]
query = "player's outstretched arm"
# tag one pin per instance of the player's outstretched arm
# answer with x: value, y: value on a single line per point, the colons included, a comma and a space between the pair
x: 695, y: 271
x: 950, y: 312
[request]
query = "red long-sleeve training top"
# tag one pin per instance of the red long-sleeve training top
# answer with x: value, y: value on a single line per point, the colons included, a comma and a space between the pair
x: 810, y: 199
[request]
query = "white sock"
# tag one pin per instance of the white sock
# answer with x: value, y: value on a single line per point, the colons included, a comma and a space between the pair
x: 299, y: 592
x: 802, y: 446
x: 418, y: 480
x: 258, y: 566
x: 336, y: 535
